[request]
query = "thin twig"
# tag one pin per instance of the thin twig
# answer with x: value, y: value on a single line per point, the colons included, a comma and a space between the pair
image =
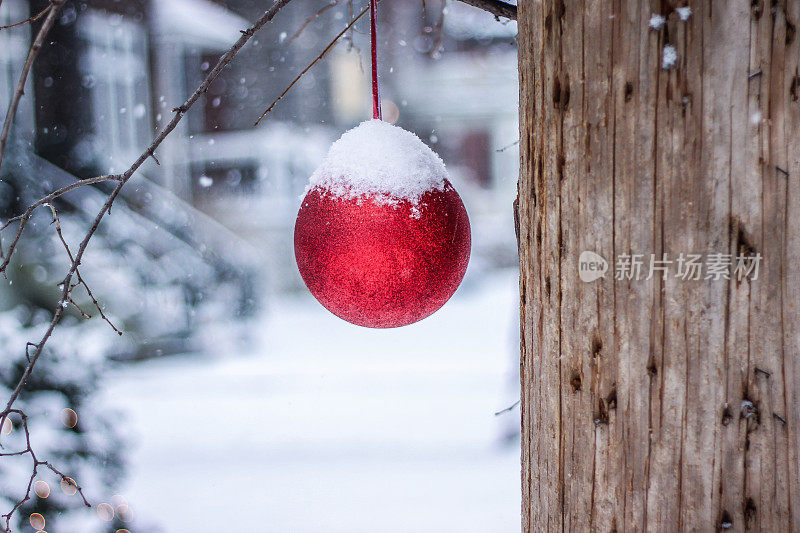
x: 26, y: 215
x: 68, y: 480
x: 36, y: 463
x: 27, y: 353
x: 504, y: 148
x: 507, y: 409
x: 81, y: 281
x: 311, y: 19
x: 55, y: 7
x: 320, y: 56
x: 29, y: 20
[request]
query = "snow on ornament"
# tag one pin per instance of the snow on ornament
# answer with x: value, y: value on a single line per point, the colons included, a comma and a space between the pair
x: 382, y: 238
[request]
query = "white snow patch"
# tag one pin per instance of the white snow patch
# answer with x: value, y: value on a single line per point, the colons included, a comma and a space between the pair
x: 377, y: 158
x: 684, y: 12
x: 320, y: 413
x: 670, y: 57
x: 755, y: 118
x: 657, y: 21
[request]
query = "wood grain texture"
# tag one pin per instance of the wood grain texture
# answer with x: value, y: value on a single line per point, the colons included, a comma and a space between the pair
x: 637, y: 394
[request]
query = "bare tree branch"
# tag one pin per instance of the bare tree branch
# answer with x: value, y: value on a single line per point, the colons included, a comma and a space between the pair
x: 180, y: 111
x: 316, y: 59
x: 80, y: 281
x: 507, y: 409
x: 122, y: 179
x: 506, y: 147
x: 28, y: 20
x: 54, y: 8
x: 312, y: 18
x: 495, y: 7
x: 36, y: 463
x: 26, y: 215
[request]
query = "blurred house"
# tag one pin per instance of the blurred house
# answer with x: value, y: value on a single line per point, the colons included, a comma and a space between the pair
x: 165, y: 269
x: 248, y: 178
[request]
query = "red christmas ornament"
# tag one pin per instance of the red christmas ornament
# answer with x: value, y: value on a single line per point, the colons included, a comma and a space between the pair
x: 382, y: 238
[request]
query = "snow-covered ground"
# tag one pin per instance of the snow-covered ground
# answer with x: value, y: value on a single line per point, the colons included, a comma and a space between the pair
x: 327, y: 427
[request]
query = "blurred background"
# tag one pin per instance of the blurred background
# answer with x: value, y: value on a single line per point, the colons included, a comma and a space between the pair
x: 234, y: 401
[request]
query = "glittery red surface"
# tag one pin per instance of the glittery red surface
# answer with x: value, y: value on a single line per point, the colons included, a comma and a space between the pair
x: 378, y: 265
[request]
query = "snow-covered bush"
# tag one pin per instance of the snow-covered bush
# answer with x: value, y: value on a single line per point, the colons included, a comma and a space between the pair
x: 66, y: 377
x: 165, y: 273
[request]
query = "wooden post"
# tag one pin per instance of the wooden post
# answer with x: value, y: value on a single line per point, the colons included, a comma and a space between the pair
x: 660, y: 404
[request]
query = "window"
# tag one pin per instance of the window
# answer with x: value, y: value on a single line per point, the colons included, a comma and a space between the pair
x: 476, y: 157
x: 210, y: 117
x: 113, y: 67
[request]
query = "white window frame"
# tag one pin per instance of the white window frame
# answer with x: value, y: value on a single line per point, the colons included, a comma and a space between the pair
x: 114, y: 67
